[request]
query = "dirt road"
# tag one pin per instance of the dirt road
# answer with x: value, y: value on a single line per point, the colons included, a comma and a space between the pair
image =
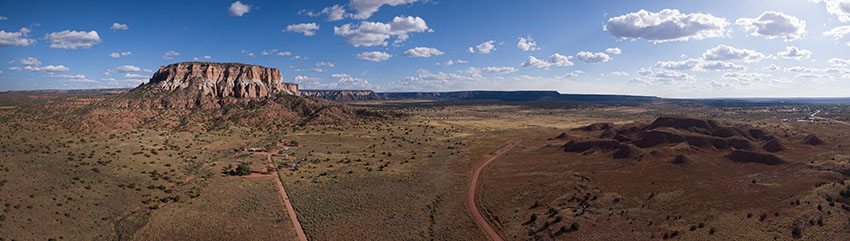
x: 289, y: 209
x: 473, y: 191
x: 821, y: 118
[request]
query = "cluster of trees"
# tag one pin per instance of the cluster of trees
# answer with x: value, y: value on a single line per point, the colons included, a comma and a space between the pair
x: 243, y: 169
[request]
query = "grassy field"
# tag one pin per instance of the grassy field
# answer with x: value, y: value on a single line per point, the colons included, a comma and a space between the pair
x: 402, y: 178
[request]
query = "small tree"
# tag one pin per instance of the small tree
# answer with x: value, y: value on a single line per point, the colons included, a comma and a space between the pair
x: 574, y: 226
x: 243, y: 169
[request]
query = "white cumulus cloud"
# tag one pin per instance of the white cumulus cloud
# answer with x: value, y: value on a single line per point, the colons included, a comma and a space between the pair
x: 554, y: 59
x: 73, y: 39
x: 308, y: 29
x: 613, y: 51
x: 116, y: 55
x: 729, y: 53
x: 18, y: 39
x: 560, y: 60
x: 483, y: 48
x: 527, y: 44
x: 374, y: 56
x: 533, y: 62
x: 134, y: 76
x: 125, y: 68
x: 839, y: 62
x: 365, y: 8
x: 30, y: 61
x: 78, y: 78
x: 792, y: 52
x: 325, y: 64
x: 368, y: 34
x: 118, y: 26
x: 699, y: 65
x: 593, y: 58
x: 773, y: 25
x: 170, y: 55
x: 48, y: 68
x: 422, y: 52
x: 839, y: 8
x: 499, y: 70
x: 239, y: 9
x: 666, y: 25
x: 771, y: 67
x: 838, y: 32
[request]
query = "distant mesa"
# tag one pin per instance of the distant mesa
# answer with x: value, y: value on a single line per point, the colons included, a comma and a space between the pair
x: 523, y: 95
x: 342, y: 95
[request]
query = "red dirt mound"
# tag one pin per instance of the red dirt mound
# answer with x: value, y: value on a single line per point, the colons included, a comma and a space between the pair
x: 759, y: 134
x: 608, y: 133
x: 596, y: 126
x: 681, y: 159
x: 812, y: 140
x: 701, y: 126
x: 658, y: 137
x: 748, y: 156
x: 563, y: 135
x: 739, y: 142
x: 628, y: 151
x: 595, y: 144
x: 773, y: 146
x: 622, y: 138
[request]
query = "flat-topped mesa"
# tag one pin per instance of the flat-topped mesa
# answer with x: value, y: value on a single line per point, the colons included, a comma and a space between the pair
x: 222, y: 79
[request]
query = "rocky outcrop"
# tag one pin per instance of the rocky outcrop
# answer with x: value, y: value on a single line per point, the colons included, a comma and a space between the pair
x: 220, y: 80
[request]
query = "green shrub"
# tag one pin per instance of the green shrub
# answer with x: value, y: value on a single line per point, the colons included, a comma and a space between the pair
x: 243, y: 169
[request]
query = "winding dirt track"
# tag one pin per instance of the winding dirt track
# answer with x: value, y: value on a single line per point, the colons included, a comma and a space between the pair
x: 289, y: 209
x: 821, y: 118
x: 473, y: 186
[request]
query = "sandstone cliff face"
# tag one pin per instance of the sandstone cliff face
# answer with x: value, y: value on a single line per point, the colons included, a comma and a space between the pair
x: 220, y: 80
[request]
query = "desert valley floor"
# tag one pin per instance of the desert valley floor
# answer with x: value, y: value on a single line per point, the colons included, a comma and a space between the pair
x: 686, y: 170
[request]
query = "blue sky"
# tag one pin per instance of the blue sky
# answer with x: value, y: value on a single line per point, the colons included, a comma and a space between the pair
x: 757, y: 48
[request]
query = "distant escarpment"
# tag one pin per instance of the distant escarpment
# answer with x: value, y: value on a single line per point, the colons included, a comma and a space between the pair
x: 522, y: 95
x: 342, y: 95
